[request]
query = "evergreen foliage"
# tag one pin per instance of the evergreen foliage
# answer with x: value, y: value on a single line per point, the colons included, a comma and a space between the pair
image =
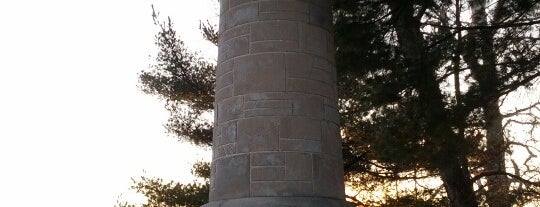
x: 424, y: 95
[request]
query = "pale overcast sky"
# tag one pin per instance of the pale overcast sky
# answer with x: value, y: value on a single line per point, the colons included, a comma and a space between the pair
x: 74, y: 127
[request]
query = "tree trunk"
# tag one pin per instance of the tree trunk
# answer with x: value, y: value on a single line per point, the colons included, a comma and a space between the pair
x: 423, y: 66
x: 480, y: 57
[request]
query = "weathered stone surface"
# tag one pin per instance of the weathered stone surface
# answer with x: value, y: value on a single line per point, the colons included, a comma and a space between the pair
x: 281, y: 15
x: 310, y: 86
x: 267, y: 173
x: 318, y: 15
x: 331, y: 114
x: 331, y: 145
x: 234, y: 32
x: 284, y: 5
x: 241, y: 14
x: 224, y: 80
x: 268, y: 108
x: 290, y: 201
x: 298, y: 166
x: 323, y: 64
x: 230, y: 149
x: 273, y: 46
x: 224, y: 67
x: 232, y: 177
x: 233, y: 47
x: 268, y: 96
x: 268, y: 159
x: 227, y: 133
x: 234, y: 3
x: 268, y: 104
x: 217, y: 152
x: 281, y: 188
x: 327, y: 181
x: 257, y: 134
x: 223, y: 93
x: 300, y: 128
x: 224, y: 6
x: 314, y: 40
x: 308, y: 105
x: 300, y: 145
x: 259, y: 73
x: 274, y: 30
x: 298, y: 65
x: 276, y: 135
x: 268, y: 112
x: 230, y: 108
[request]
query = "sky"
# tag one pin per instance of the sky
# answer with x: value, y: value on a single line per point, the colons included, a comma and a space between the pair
x: 74, y: 126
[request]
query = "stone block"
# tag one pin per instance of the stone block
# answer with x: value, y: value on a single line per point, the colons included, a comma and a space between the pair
x: 322, y: 76
x: 331, y: 140
x: 232, y: 177
x: 328, y: 176
x: 259, y: 73
x: 308, y: 105
x: 268, y: 159
x: 224, y: 67
x: 300, y: 128
x: 331, y: 114
x: 241, y: 12
x: 257, y: 134
x: 268, y: 96
x: 288, y: 201
x: 273, y: 46
x: 298, y: 65
x: 331, y: 47
x: 323, y: 64
x: 284, y: 5
x: 227, y: 133
x: 234, y: 32
x: 224, y: 80
x: 230, y: 109
x: 312, y: 40
x: 230, y: 149
x: 217, y: 152
x: 274, y: 30
x: 319, y: 15
x: 233, y: 47
x: 321, y: 3
x: 280, y: 188
x: 310, y: 86
x: 268, y: 104
x: 222, y: 94
x: 282, y: 15
x: 225, y: 150
x: 330, y: 103
x: 267, y: 173
x: 298, y: 166
x: 233, y: 3
x: 300, y: 145
x: 224, y: 6
x: 268, y: 112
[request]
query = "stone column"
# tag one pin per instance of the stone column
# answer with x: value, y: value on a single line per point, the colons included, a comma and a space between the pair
x: 276, y: 139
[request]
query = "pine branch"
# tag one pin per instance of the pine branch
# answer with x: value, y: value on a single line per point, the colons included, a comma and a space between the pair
x: 493, y: 173
x: 482, y: 27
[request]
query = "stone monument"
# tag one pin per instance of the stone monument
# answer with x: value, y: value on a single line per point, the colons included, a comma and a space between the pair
x: 276, y: 135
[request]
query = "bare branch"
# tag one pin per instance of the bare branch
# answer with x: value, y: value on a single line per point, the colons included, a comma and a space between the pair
x: 518, y: 111
x: 493, y: 173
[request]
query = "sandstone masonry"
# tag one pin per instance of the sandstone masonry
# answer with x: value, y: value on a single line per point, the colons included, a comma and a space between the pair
x: 276, y: 136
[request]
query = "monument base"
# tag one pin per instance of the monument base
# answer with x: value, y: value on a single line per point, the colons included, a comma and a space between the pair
x: 279, y: 202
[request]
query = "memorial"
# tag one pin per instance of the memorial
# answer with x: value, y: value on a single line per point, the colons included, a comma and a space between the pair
x: 276, y: 130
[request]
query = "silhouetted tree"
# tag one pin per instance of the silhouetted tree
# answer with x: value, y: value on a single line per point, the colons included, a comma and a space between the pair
x: 422, y: 88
